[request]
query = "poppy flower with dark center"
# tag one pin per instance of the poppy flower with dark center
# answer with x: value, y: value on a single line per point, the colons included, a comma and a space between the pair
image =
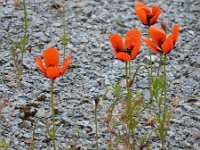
x: 51, y: 69
x: 147, y: 15
x: 160, y: 43
x: 126, y: 50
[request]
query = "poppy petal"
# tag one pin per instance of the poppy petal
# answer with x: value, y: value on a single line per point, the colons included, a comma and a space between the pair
x: 51, y: 57
x: 125, y: 57
x: 132, y: 37
x: 168, y: 45
x: 141, y: 5
x: 158, y: 35
x: 155, y: 13
x: 53, y: 72
x: 152, y: 46
x: 136, y: 49
x: 40, y: 65
x: 138, y: 4
x: 142, y: 15
x: 175, y: 32
x: 66, y: 64
x: 117, y: 42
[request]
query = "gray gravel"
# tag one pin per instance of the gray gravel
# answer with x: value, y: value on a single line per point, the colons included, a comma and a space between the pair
x: 89, y: 23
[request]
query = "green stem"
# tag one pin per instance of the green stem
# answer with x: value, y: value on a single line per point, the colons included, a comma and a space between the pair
x: 96, y: 126
x: 64, y: 30
x: 165, y: 80
x: 53, y: 113
x: 24, y: 37
x: 127, y: 79
x: 165, y: 104
x: 160, y: 63
x: 150, y: 57
x: 150, y: 62
x: 137, y: 69
x: 129, y: 114
x: 25, y: 18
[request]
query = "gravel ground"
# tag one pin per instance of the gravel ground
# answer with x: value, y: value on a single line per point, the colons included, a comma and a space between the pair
x: 89, y: 22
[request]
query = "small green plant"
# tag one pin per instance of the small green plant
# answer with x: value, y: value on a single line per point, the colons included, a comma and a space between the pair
x: 32, y: 144
x: 19, y: 48
x: 72, y: 142
x: 64, y: 38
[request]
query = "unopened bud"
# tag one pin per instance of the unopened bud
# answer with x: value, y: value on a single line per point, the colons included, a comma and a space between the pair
x: 163, y: 25
x: 130, y: 83
x: 108, y: 117
x: 96, y: 101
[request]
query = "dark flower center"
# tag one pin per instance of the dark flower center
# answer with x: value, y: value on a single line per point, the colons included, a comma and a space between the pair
x: 149, y: 18
x: 160, y: 43
x: 128, y: 51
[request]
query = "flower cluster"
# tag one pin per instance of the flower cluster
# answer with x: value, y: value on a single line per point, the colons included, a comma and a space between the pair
x: 158, y: 42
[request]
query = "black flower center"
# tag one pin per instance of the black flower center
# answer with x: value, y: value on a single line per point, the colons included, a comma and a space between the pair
x: 149, y: 18
x: 128, y: 51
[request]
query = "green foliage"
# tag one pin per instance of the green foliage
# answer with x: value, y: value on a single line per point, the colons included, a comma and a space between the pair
x: 64, y: 39
x: 3, y: 144
x: 72, y: 138
x: 157, y: 85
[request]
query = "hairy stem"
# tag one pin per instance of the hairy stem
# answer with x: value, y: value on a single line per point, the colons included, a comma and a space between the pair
x: 53, y: 113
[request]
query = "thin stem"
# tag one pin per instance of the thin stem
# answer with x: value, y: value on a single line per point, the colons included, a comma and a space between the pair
x: 127, y: 79
x: 25, y: 18
x: 64, y: 30
x: 150, y: 62
x: 160, y: 63
x: 32, y: 144
x: 165, y: 80
x: 150, y: 57
x: 137, y: 69
x: 53, y: 113
x: 24, y: 37
x: 96, y: 126
x: 165, y: 103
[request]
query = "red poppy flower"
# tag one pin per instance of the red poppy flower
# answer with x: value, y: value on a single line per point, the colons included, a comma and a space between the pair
x: 160, y: 43
x: 147, y: 15
x: 127, y: 50
x: 52, y: 69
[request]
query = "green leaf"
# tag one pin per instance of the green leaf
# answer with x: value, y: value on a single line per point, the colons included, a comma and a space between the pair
x: 64, y: 39
x: 109, y: 146
x: 3, y: 144
x: 117, y: 90
x: 48, y: 130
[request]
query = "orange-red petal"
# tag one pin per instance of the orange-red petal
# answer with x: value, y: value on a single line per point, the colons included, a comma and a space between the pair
x: 168, y: 45
x: 136, y: 49
x: 175, y: 33
x: 155, y: 13
x: 53, y: 72
x: 138, y: 4
x: 158, y: 35
x: 125, y: 57
x: 117, y: 42
x: 51, y: 57
x: 132, y: 37
x: 142, y: 15
x: 141, y: 5
x: 152, y: 46
x: 40, y: 65
x: 66, y: 64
